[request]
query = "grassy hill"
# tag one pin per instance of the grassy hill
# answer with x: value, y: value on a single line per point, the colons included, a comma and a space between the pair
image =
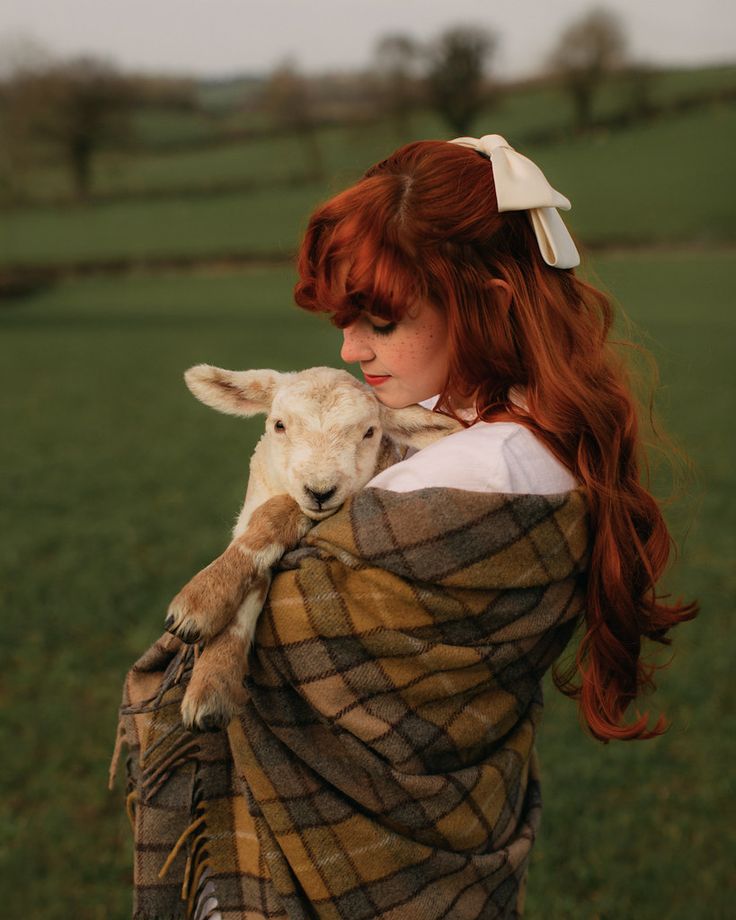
x: 633, y: 186
x: 638, y: 186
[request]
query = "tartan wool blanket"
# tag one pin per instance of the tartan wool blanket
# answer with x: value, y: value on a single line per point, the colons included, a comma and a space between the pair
x: 383, y: 765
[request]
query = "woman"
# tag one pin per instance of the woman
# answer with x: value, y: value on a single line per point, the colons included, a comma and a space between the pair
x: 384, y: 764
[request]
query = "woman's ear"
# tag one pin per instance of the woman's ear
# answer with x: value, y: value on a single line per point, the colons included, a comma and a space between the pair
x: 503, y: 293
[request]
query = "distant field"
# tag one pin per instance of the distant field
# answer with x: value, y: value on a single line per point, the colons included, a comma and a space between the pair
x: 117, y: 485
x: 646, y: 184
x: 629, y: 187
x: 676, y: 82
x: 516, y: 113
x: 263, y: 221
x: 158, y: 125
x: 199, y: 167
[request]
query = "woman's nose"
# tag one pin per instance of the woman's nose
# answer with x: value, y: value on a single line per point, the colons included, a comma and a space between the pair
x: 354, y: 346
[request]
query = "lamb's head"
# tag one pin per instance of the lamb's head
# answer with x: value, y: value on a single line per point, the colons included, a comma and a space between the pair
x: 326, y: 432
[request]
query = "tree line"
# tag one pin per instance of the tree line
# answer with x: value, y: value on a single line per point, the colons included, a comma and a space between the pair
x: 73, y: 109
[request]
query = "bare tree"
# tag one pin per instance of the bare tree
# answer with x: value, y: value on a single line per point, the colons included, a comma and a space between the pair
x: 456, y: 83
x: 286, y: 97
x: 398, y: 60
x: 74, y: 109
x: 639, y: 79
x: 22, y: 59
x: 92, y: 110
x: 586, y: 53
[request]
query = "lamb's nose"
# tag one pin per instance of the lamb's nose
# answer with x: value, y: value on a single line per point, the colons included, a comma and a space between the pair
x: 321, y: 497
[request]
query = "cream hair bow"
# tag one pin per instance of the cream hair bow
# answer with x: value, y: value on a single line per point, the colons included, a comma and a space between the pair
x: 521, y: 186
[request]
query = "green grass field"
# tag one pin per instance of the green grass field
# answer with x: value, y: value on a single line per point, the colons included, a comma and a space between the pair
x: 118, y: 485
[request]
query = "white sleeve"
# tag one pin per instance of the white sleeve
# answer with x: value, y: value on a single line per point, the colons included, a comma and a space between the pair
x: 498, y: 457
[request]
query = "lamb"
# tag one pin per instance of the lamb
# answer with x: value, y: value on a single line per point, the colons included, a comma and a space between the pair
x: 326, y: 436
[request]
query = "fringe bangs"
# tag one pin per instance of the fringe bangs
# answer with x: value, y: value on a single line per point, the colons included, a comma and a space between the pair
x: 381, y: 277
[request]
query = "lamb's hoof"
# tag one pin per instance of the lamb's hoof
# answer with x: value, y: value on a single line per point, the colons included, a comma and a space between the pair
x: 212, y: 724
x: 206, y: 604
x: 206, y: 722
x: 207, y: 712
x: 188, y: 635
x: 182, y: 623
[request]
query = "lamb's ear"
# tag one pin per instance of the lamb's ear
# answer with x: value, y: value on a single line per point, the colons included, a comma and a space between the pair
x: 416, y: 426
x: 234, y: 392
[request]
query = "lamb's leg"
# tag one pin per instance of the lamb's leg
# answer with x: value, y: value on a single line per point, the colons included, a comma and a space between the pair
x: 215, y: 691
x: 207, y: 603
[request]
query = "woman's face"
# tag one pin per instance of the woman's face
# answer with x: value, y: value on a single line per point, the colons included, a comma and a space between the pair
x: 404, y: 362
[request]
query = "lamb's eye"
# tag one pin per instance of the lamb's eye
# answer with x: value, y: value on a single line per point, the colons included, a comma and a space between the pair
x: 279, y: 425
x: 368, y: 434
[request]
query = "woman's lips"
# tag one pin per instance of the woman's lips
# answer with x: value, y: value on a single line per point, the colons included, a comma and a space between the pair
x: 375, y: 381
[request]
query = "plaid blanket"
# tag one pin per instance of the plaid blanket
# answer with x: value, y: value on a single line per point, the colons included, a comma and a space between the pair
x: 384, y: 763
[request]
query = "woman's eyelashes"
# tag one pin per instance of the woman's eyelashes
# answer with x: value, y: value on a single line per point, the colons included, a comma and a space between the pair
x: 383, y: 330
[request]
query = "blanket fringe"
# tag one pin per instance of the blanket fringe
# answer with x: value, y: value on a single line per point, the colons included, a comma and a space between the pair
x: 130, y: 802
x: 155, y: 775
x: 197, y: 889
x: 119, y: 738
x: 179, y: 844
x: 195, y: 900
x: 163, y: 737
x: 164, y: 748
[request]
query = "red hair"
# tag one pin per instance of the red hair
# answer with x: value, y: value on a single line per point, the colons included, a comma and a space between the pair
x: 424, y: 224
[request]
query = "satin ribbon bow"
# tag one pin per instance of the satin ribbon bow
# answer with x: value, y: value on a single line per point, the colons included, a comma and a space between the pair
x: 521, y: 186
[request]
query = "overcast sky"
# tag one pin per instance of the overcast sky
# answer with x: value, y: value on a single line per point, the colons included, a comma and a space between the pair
x: 221, y: 37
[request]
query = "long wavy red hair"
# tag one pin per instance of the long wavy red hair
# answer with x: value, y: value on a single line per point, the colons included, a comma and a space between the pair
x: 424, y: 223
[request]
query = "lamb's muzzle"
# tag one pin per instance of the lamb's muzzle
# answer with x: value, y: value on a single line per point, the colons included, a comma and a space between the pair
x: 320, y: 497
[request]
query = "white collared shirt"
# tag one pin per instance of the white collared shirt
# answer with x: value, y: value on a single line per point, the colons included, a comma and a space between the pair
x: 487, y: 457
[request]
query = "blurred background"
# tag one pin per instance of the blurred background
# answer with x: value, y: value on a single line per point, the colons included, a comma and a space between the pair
x: 158, y: 164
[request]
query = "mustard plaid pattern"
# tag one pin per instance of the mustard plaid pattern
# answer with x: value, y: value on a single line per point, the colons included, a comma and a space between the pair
x: 384, y: 764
